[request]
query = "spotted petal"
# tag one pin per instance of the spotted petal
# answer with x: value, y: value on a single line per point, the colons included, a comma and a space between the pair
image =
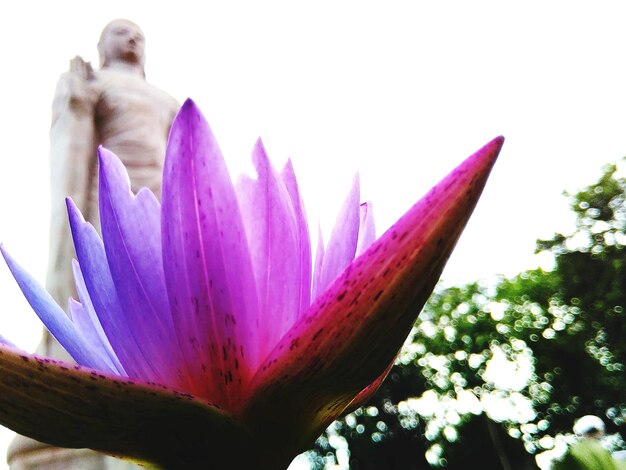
x: 71, y: 406
x: 206, y: 261
x: 354, y: 330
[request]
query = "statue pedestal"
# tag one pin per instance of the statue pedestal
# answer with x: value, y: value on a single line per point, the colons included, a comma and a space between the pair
x: 27, y: 454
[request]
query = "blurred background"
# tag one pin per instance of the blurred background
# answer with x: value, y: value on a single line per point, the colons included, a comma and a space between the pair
x: 400, y: 93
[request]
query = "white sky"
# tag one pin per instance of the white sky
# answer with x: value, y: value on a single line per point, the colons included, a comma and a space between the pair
x: 400, y: 92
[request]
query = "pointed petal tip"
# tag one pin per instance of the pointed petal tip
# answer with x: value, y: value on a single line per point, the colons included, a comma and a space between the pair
x: 259, y: 155
x: 189, y: 120
x: 5, y: 255
x: 287, y: 167
x: 112, y: 175
x: 72, y: 208
x: 480, y: 162
x: 189, y: 104
x: 496, y: 144
x: 104, y: 155
x: 74, y: 214
x: 491, y: 149
x: 497, y: 140
x: 189, y: 108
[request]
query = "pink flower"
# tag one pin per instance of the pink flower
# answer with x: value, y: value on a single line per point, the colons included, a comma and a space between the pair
x: 204, y: 337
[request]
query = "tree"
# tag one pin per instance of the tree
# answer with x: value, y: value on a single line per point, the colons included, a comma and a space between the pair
x: 585, y: 361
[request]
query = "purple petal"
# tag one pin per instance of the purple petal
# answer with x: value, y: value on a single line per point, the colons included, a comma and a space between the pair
x: 319, y: 262
x: 131, y: 231
x: 102, y: 292
x: 206, y: 261
x: 273, y: 238
x: 6, y: 342
x: 86, y: 320
x: 54, y: 318
x: 342, y: 242
x: 367, y: 229
x: 304, y: 237
x: 81, y: 322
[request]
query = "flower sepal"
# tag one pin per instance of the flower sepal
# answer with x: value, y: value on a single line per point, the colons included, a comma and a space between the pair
x: 68, y: 405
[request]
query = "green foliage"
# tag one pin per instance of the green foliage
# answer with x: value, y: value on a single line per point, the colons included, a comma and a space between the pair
x: 562, y: 331
x: 590, y: 295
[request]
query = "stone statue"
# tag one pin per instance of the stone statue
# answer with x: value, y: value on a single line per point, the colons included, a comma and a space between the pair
x: 115, y: 107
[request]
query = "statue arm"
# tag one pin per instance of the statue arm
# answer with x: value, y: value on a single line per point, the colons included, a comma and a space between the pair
x: 73, y: 144
x: 174, y: 107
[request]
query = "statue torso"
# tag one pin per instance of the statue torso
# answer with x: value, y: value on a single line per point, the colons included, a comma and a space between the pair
x: 133, y: 119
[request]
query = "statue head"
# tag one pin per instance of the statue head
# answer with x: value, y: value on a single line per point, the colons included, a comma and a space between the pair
x: 122, y: 41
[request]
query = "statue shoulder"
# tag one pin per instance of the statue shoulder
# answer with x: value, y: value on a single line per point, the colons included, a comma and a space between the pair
x: 166, y: 98
x: 174, y: 105
x: 166, y: 101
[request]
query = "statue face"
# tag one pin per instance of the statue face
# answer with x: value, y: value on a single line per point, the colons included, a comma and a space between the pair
x: 122, y: 40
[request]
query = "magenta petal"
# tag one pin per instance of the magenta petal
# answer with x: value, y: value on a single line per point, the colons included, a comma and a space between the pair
x: 354, y: 330
x: 131, y: 231
x: 342, y: 243
x: 304, y: 238
x: 54, y: 318
x: 273, y: 238
x: 368, y: 392
x: 367, y: 229
x: 97, y: 276
x: 317, y: 267
x: 207, y: 264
